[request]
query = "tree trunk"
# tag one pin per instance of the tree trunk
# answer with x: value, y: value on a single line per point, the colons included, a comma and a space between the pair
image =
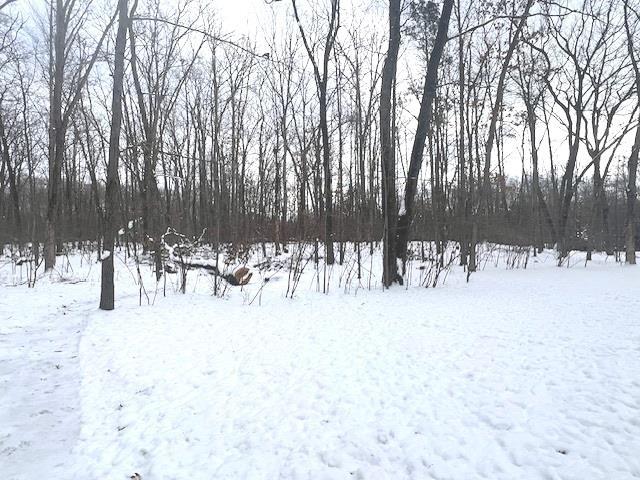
x: 631, y: 202
x: 633, y: 158
x: 56, y: 135
x: 387, y: 153
x: 111, y: 197
x: 13, y: 186
x: 422, y: 131
x: 321, y: 84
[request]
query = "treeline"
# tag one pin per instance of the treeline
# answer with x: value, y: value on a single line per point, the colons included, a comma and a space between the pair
x: 518, y: 224
x: 515, y: 122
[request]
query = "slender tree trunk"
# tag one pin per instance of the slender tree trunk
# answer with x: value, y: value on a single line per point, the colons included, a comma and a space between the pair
x: 631, y: 201
x: 13, y: 186
x: 387, y: 153
x: 630, y: 256
x: 328, y: 191
x: 422, y: 131
x: 462, y: 177
x: 59, y: 119
x: 321, y: 84
x: 111, y: 197
x: 56, y: 135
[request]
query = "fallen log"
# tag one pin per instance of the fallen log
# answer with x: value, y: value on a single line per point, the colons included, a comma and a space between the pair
x: 238, y: 278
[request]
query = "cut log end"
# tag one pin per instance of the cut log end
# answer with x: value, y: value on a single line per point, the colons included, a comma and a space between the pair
x: 242, y: 276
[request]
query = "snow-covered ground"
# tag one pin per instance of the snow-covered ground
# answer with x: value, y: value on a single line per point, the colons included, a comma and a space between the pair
x: 519, y: 374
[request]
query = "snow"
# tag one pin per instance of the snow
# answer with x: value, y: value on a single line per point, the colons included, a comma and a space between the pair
x: 528, y: 374
x: 105, y: 254
x: 39, y: 381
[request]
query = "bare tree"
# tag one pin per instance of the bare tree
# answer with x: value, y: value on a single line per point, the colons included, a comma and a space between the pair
x: 390, y: 268
x: 321, y: 79
x: 497, y: 105
x: 111, y: 197
x: 630, y: 221
x: 429, y: 92
x: 63, y: 108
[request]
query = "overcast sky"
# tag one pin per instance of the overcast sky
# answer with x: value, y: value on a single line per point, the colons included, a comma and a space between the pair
x: 255, y: 19
x: 241, y: 16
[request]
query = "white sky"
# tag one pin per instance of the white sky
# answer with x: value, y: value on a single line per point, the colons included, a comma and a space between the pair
x: 242, y: 16
x: 255, y: 19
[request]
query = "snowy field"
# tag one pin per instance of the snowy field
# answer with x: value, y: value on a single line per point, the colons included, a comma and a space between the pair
x: 519, y: 374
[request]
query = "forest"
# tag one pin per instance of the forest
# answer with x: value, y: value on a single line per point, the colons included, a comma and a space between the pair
x: 514, y: 122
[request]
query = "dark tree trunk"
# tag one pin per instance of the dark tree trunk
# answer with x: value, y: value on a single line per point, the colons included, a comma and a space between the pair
x: 13, y: 186
x: 630, y: 256
x: 56, y: 135
x: 422, y: 131
x: 111, y: 197
x: 59, y: 119
x: 321, y: 80
x: 387, y: 153
x: 631, y: 202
